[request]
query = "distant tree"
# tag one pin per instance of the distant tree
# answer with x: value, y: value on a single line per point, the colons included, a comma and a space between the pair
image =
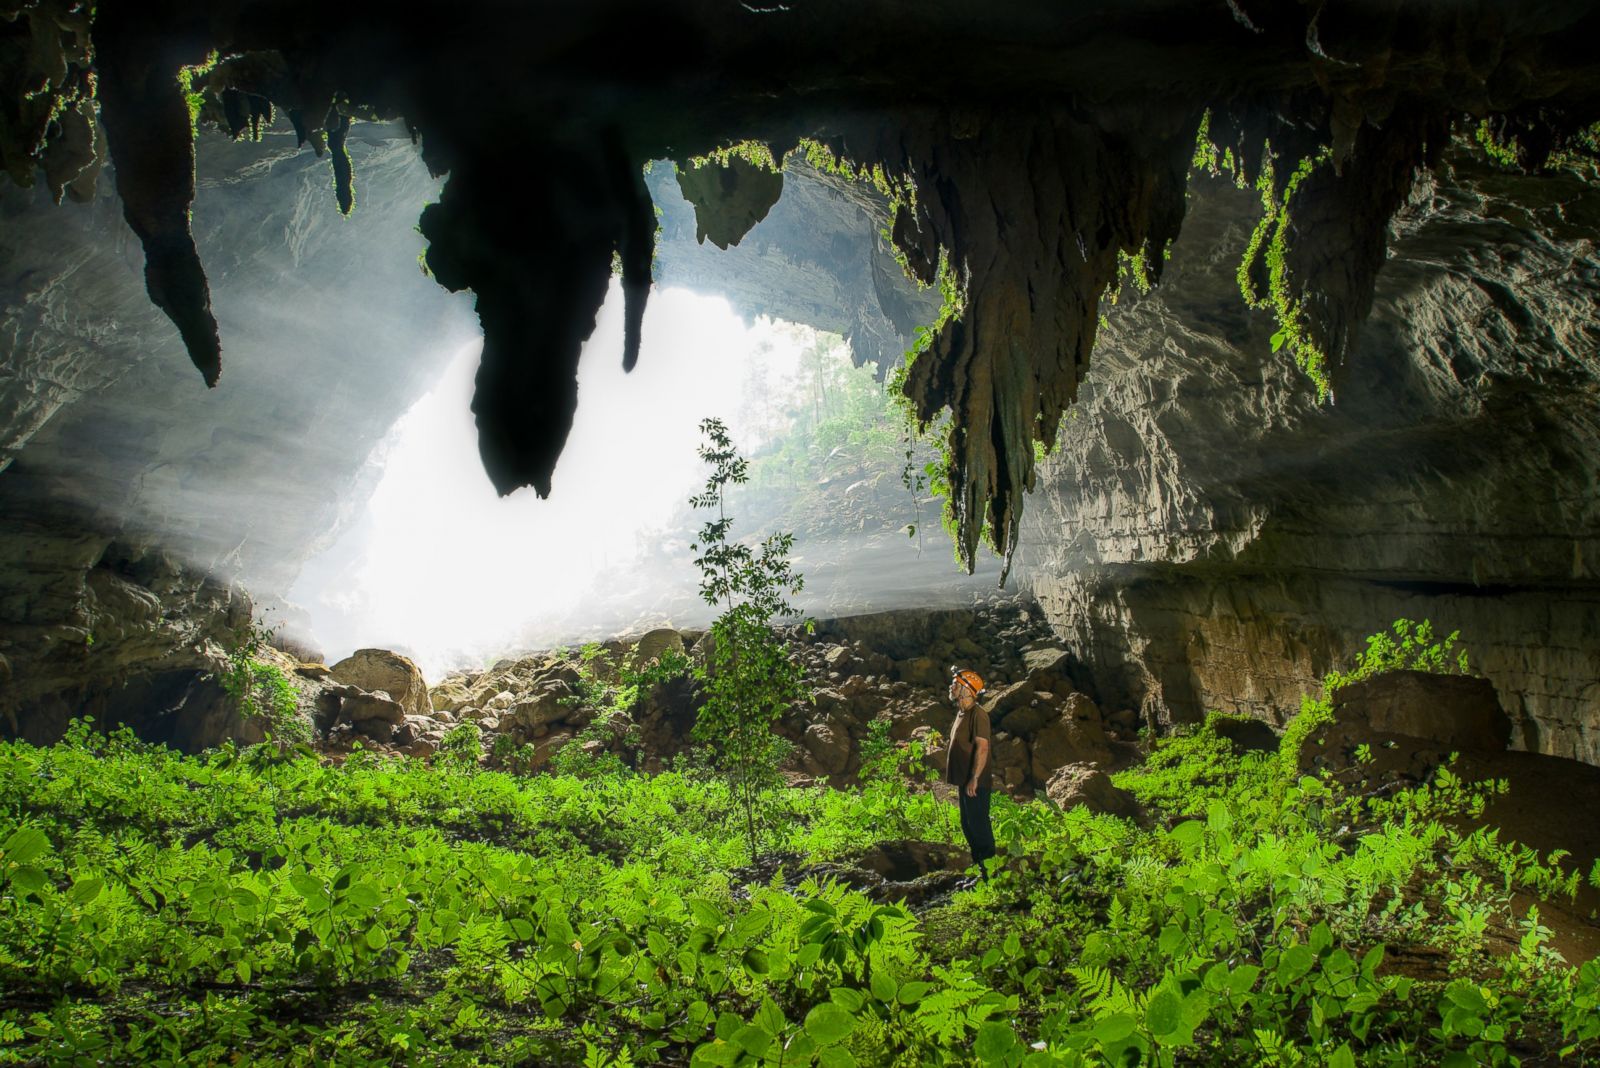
x: 748, y: 677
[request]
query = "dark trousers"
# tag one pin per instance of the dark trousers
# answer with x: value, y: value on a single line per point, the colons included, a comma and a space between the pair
x: 975, y: 825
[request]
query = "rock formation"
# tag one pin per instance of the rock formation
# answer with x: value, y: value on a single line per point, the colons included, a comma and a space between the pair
x: 1027, y: 148
x: 1208, y: 536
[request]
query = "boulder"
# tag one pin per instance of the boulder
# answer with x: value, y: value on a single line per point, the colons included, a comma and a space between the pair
x: 828, y: 747
x: 1411, y: 721
x: 1010, y: 756
x: 548, y: 704
x: 838, y: 658
x: 376, y: 729
x: 923, y: 671
x: 380, y: 669
x: 362, y: 708
x: 1087, y: 786
x: 413, y: 730
x: 1044, y: 660
x: 1079, y: 708
x: 907, y: 859
x: 655, y: 644
x: 547, y: 747
x: 1066, y: 741
x: 1449, y: 711
x: 1006, y: 699
x: 454, y: 693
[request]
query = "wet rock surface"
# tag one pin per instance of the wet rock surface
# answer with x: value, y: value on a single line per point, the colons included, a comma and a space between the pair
x: 1208, y: 536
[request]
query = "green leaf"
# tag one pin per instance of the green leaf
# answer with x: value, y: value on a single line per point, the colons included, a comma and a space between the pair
x: 719, y: 1053
x: 834, y: 1057
x: 1115, y: 1028
x: 752, y: 1039
x: 25, y: 845
x: 883, y: 987
x: 364, y: 896
x: 305, y: 884
x: 913, y: 992
x: 755, y: 962
x: 1243, y: 978
x: 848, y: 999
x: 377, y: 937
x: 995, y: 1043
x: 1164, y: 1014
x: 828, y: 1023
x: 1295, y: 962
x: 85, y: 890
x: 751, y: 924
x: 1343, y: 1057
x: 28, y: 879
x: 1188, y: 834
x: 705, y: 913
x: 1467, y: 996
x: 770, y: 1017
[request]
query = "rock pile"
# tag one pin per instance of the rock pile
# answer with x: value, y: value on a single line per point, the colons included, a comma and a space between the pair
x: 892, y: 666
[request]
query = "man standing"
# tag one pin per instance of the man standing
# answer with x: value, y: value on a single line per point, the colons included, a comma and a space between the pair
x: 967, y: 764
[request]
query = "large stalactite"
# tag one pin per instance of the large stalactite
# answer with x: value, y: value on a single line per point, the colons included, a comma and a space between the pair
x: 1036, y: 144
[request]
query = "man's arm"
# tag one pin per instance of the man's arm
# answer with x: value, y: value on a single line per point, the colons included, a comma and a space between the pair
x: 980, y: 757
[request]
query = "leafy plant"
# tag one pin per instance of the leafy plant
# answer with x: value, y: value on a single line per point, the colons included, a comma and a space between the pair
x: 748, y: 677
x: 891, y: 770
x: 461, y: 746
x: 260, y: 689
x: 1407, y: 646
x: 171, y: 909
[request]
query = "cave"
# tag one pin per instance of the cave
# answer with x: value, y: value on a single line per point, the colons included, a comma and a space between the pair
x: 1220, y: 336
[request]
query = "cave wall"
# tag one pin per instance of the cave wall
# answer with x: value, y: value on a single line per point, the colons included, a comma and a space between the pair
x: 136, y: 504
x: 339, y: 332
x: 1210, y: 537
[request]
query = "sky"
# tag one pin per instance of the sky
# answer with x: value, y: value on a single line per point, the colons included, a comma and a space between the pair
x: 440, y: 567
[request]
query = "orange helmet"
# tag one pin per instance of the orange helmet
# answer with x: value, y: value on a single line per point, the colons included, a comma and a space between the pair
x: 968, y: 678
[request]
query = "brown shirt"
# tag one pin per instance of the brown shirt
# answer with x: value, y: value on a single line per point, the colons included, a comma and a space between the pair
x: 968, y: 727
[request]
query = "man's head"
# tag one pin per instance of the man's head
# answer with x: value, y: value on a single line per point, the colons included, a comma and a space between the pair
x: 965, y: 686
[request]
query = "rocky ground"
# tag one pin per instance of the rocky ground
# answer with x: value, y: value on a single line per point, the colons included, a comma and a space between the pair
x: 1050, y: 738
x: 888, y: 666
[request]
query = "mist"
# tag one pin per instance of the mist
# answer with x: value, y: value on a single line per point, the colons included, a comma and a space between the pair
x: 439, y: 567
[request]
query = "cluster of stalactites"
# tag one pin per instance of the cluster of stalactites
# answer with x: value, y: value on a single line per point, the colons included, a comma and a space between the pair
x: 1033, y: 207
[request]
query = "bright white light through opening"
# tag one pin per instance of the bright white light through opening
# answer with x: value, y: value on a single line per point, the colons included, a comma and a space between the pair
x: 440, y: 567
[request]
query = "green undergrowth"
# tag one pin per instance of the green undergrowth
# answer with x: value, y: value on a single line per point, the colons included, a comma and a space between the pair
x: 266, y: 906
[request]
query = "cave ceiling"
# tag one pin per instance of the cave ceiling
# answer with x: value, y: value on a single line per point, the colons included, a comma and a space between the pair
x: 1036, y: 152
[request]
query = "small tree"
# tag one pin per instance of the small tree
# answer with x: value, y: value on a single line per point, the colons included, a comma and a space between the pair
x: 747, y: 676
